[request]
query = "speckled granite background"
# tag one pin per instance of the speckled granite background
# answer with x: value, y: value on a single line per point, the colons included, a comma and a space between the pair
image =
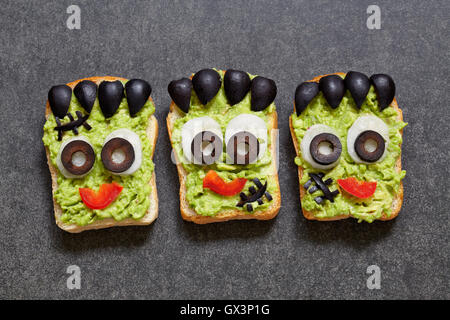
x: 289, y: 257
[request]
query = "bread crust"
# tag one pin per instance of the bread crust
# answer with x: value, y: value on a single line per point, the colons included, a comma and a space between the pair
x: 189, y: 214
x: 152, y: 212
x: 398, y: 199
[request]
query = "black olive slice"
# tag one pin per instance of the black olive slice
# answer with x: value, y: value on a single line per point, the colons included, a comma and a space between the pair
x: 319, y: 199
x: 322, y: 186
x: 86, y: 93
x: 110, y: 94
x: 358, y: 84
x: 257, y: 182
x: 304, y: 93
x: 59, y: 99
x: 137, y: 92
x: 236, y: 84
x: 67, y: 157
x: 250, y: 144
x: 385, y: 89
x: 206, y: 147
x: 206, y: 84
x: 73, y: 124
x: 180, y: 92
x: 334, y: 144
x: 254, y: 197
x: 124, y: 149
x: 307, y: 184
x: 333, y: 89
x: 264, y: 92
x: 361, y: 147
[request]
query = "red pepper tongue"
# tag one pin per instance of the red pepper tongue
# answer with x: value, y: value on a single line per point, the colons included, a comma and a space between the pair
x: 215, y: 183
x: 102, y: 198
x: 359, y: 189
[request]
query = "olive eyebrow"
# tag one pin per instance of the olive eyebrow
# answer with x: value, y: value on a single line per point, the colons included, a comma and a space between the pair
x: 72, y: 125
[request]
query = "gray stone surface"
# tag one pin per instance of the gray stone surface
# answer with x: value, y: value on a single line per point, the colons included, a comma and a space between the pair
x: 289, y: 257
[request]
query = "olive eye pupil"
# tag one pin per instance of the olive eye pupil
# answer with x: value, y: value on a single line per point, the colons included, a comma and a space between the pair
x: 325, y: 148
x: 321, y: 147
x: 118, y: 156
x: 78, y: 159
x: 122, y: 152
x: 369, y: 146
x: 367, y: 139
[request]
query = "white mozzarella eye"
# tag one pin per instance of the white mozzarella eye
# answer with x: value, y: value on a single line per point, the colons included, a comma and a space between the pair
x: 202, y: 141
x: 321, y: 147
x: 246, y: 139
x: 367, y: 139
x: 122, y: 152
x: 76, y: 157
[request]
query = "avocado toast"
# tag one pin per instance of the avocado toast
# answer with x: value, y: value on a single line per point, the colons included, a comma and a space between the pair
x: 225, y: 186
x: 360, y: 174
x: 78, y: 122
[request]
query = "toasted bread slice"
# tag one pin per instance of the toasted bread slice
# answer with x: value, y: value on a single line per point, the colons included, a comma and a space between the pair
x: 398, y: 199
x: 190, y: 214
x: 152, y: 213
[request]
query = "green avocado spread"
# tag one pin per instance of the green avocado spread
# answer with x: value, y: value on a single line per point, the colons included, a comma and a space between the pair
x: 388, y: 178
x: 204, y: 201
x: 133, y: 201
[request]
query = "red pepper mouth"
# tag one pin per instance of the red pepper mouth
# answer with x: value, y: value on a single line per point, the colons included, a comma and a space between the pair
x: 357, y: 188
x: 107, y: 193
x: 216, y: 184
